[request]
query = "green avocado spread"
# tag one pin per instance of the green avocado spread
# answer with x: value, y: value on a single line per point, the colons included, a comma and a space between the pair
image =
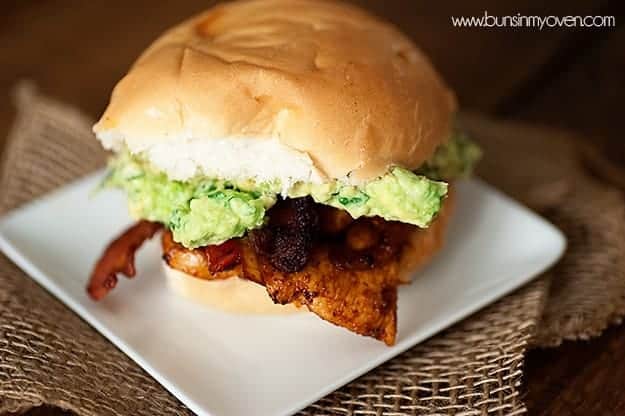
x: 400, y: 195
x: 204, y: 211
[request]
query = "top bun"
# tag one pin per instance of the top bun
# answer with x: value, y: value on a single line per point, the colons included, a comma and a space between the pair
x: 287, y: 89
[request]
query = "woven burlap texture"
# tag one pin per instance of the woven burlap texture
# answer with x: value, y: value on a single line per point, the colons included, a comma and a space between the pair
x: 48, y: 355
x: 546, y: 170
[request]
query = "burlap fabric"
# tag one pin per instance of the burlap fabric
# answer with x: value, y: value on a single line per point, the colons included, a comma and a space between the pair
x: 48, y: 355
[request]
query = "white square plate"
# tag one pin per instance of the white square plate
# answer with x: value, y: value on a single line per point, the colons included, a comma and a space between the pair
x: 208, y: 359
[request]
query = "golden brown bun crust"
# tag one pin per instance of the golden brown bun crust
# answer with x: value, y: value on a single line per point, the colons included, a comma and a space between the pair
x: 322, y: 77
x: 236, y: 295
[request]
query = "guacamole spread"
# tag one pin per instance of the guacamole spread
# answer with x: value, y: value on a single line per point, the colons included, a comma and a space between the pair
x: 205, y: 211
x: 452, y: 160
x: 400, y: 195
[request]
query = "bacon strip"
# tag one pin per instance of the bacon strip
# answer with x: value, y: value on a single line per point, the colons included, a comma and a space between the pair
x: 223, y: 256
x: 210, y: 262
x: 119, y: 257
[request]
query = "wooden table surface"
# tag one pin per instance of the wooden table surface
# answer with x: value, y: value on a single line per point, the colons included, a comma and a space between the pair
x: 575, y: 78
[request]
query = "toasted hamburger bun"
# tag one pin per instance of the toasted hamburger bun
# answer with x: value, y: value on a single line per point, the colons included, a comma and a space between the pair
x: 237, y: 295
x: 296, y: 90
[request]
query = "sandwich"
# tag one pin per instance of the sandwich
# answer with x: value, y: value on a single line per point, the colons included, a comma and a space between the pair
x: 295, y: 156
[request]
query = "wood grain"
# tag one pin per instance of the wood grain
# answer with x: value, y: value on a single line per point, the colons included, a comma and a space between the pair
x: 578, y: 378
x: 76, y: 50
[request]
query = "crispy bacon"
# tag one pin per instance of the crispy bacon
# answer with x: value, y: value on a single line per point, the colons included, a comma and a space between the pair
x: 119, y: 257
x: 210, y: 262
x: 224, y: 256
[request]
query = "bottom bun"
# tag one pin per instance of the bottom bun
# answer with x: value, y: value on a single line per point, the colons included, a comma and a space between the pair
x: 234, y: 295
